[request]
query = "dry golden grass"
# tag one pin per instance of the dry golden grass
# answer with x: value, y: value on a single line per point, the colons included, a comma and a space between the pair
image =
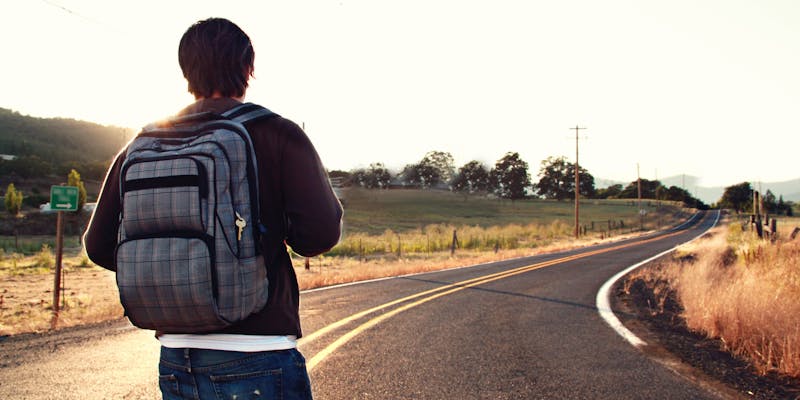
x: 327, y: 271
x: 439, y: 237
x: 744, y: 291
x: 26, y: 300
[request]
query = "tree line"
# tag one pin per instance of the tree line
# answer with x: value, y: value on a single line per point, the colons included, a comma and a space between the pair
x: 509, y: 178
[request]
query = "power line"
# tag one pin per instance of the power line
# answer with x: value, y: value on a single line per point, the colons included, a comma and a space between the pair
x: 67, y: 10
x: 83, y: 17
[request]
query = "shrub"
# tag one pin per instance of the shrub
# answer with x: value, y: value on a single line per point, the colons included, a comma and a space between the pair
x: 13, y: 199
x: 44, y: 259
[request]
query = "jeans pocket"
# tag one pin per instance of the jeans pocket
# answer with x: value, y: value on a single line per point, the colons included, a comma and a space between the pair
x: 170, y: 389
x: 250, y: 385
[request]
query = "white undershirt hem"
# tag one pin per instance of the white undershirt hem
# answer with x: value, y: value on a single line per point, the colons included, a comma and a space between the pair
x: 228, y: 342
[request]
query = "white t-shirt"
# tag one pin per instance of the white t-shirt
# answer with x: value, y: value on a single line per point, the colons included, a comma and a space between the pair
x: 228, y: 342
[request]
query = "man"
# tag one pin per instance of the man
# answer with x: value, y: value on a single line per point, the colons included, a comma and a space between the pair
x: 257, y: 355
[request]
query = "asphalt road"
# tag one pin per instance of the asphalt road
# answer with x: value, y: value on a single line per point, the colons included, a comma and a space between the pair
x: 518, y: 329
x: 531, y: 333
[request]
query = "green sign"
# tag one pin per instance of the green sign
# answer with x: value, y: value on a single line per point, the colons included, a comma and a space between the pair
x: 63, y: 198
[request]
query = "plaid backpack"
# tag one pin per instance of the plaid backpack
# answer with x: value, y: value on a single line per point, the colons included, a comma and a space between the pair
x: 188, y: 259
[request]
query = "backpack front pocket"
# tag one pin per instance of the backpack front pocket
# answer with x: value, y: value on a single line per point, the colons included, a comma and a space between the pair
x: 168, y: 283
x: 167, y: 195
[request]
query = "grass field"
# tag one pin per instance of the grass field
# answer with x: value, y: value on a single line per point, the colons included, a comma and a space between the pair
x: 386, y: 233
x: 411, y: 221
x: 374, y: 211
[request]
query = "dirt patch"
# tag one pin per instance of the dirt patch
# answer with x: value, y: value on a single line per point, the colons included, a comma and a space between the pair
x: 89, y: 295
x: 657, y: 317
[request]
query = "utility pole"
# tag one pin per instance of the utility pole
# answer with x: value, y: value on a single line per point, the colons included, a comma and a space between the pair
x: 577, y: 185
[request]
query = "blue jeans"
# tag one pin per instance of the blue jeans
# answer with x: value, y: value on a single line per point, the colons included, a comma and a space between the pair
x: 215, y: 374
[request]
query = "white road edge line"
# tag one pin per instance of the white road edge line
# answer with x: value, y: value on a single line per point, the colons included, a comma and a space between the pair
x: 604, y: 294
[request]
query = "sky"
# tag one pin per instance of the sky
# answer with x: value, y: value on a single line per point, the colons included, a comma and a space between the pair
x: 704, y: 88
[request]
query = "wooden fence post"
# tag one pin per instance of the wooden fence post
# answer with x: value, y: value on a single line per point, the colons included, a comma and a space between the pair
x: 57, y: 280
x: 454, y: 244
x: 399, y: 246
x: 759, y: 228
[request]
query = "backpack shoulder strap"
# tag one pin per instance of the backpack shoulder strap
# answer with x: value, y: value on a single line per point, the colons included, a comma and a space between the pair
x: 246, y: 112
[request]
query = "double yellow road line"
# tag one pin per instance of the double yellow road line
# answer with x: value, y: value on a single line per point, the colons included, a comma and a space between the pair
x: 433, y: 294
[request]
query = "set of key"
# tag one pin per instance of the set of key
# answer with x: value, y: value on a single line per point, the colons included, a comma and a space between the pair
x: 240, y: 224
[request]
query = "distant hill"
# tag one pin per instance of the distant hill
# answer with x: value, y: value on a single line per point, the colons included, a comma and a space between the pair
x: 790, y: 190
x: 58, y: 138
x: 708, y: 195
x: 32, y: 147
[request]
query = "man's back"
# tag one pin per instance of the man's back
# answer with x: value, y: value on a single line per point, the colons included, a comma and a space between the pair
x: 297, y: 207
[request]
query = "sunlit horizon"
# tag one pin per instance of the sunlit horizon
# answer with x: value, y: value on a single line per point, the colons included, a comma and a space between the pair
x: 704, y: 89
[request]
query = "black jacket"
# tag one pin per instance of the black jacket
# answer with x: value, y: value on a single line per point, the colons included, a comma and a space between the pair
x: 297, y: 204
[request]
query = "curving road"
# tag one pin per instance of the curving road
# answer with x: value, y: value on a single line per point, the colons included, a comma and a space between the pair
x: 526, y: 328
x: 520, y: 329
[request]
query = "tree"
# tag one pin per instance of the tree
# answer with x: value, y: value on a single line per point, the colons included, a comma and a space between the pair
x: 649, y: 189
x: 419, y: 175
x: 737, y: 197
x: 770, y: 202
x: 510, y: 176
x: 675, y: 193
x: 554, y: 179
x: 435, y: 168
x: 442, y: 162
x: 661, y: 192
x: 13, y: 200
x: 611, y: 192
x: 557, y: 180
x: 74, y: 179
x: 471, y: 178
x: 376, y: 177
x: 340, y: 175
x: 585, y: 181
x: 784, y: 207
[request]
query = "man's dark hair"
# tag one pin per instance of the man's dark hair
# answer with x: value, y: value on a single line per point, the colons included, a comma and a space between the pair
x: 216, y: 56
